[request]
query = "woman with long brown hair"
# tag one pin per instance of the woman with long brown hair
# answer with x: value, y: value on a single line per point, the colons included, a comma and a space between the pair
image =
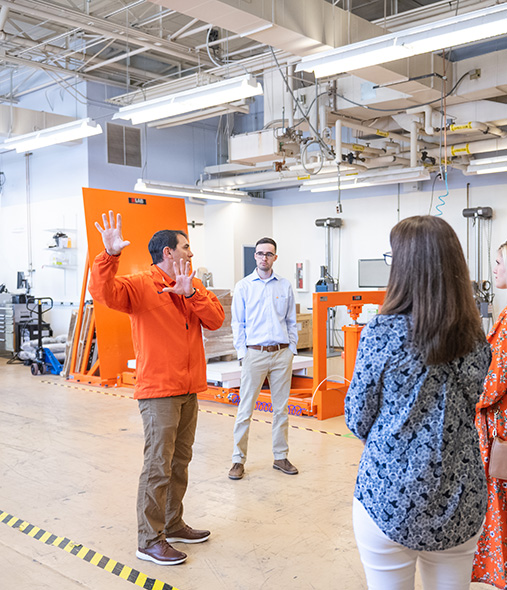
x: 420, y: 495
x: 491, y: 420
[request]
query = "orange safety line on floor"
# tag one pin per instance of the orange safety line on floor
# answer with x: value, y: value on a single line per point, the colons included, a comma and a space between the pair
x: 102, y: 561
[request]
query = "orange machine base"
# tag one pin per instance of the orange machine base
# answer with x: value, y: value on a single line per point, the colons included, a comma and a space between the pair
x: 322, y: 404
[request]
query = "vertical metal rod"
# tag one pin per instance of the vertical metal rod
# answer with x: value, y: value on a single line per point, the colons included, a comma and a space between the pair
x: 28, y: 218
x: 329, y: 255
x: 478, y: 251
x: 468, y: 225
x: 414, y: 128
x: 290, y: 79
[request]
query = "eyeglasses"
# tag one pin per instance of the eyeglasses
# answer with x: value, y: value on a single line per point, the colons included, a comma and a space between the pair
x: 267, y: 255
x: 388, y: 258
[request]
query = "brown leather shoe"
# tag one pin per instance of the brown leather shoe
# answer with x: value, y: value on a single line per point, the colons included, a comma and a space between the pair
x: 188, y: 535
x: 162, y: 554
x: 237, y: 471
x: 286, y: 466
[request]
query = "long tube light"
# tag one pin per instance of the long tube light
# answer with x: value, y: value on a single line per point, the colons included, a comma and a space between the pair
x: 487, y: 165
x: 185, y: 190
x: 53, y: 135
x: 364, y: 179
x: 466, y: 28
x: 191, y: 100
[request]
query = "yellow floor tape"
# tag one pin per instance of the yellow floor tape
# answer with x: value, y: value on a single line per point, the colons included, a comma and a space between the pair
x: 86, y: 554
x: 109, y: 392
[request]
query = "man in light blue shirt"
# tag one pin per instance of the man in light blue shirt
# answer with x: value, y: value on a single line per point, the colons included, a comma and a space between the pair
x: 265, y: 337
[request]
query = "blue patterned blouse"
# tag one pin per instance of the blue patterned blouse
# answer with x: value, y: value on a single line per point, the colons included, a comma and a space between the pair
x: 420, y: 476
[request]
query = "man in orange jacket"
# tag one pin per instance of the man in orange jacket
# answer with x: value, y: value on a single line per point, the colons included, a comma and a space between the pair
x: 167, y: 306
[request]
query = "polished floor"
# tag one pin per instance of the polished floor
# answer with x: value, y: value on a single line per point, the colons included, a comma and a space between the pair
x: 70, y: 456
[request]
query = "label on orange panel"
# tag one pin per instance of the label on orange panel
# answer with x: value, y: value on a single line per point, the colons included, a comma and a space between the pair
x: 137, y: 201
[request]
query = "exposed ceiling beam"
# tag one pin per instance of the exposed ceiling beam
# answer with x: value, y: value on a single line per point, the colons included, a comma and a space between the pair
x: 58, y: 53
x: 46, y: 10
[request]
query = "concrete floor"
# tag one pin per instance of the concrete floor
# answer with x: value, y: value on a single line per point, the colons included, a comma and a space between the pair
x: 70, y: 456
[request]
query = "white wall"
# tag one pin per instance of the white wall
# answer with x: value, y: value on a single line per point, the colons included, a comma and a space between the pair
x: 229, y: 227
x: 31, y: 213
x: 367, y: 221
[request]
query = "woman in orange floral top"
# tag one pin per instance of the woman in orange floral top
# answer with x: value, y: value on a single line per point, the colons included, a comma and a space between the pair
x: 491, y: 556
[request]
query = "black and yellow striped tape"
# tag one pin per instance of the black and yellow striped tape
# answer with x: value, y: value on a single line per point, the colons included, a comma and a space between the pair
x: 346, y: 435
x: 103, y: 391
x: 109, y: 565
x: 295, y: 426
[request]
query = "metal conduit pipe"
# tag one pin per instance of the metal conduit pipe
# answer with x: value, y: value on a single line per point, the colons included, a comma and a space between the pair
x: 475, y: 147
x: 414, y: 130
x: 428, y: 118
x: 264, y: 178
x: 338, y: 141
x: 369, y: 130
x: 322, y: 118
x: 4, y: 13
x: 252, y: 179
x: 329, y: 167
x: 286, y: 176
x: 476, y: 126
x: 363, y: 149
x: 290, y: 80
x: 385, y: 160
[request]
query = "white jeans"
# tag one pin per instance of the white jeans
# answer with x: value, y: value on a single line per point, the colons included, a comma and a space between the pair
x: 390, y: 566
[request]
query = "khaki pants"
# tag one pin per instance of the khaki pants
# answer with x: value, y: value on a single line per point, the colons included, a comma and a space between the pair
x: 277, y: 367
x: 169, y: 430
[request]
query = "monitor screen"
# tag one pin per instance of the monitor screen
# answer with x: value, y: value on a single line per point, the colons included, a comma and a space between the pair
x: 373, y: 273
x: 21, y: 282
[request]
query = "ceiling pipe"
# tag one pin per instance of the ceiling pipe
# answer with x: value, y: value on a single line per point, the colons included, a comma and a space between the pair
x: 383, y: 161
x: 381, y: 134
x: 414, y: 129
x: 428, y: 117
x: 476, y: 126
x: 4, y: 13
x: 338, y: 141
x: 289, y: 96
x: 293, y: 175
x: 475, y: 147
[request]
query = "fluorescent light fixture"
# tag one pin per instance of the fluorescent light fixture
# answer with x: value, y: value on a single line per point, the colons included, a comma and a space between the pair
x: 191, y: 100
x: 186, y: 190
x: 487, y: 165
x: 364, y: 179
x: 466, y: 28
x: 53, y: 135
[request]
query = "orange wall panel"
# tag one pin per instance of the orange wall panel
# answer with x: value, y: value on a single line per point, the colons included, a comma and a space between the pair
x: 142, y: 216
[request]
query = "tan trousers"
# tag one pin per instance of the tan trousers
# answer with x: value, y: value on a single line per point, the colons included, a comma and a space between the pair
x: 169, y: 431
x: 277, y: 367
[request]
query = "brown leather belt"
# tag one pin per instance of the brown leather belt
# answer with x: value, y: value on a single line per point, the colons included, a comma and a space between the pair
x: 269, y: 348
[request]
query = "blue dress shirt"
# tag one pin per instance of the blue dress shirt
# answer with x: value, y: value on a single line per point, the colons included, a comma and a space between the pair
x: 263, y: 313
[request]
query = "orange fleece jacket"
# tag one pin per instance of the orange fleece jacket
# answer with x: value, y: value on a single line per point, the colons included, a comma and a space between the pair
x: 166, y: 328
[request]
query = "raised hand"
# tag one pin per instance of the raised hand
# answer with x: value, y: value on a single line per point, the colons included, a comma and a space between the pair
x: 111, y: 235
x: 183, y: 279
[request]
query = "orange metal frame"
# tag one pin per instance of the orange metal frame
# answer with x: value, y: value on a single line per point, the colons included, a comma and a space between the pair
x: 329, y: 397
x: 309, y: 396
x: 316, y: 396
